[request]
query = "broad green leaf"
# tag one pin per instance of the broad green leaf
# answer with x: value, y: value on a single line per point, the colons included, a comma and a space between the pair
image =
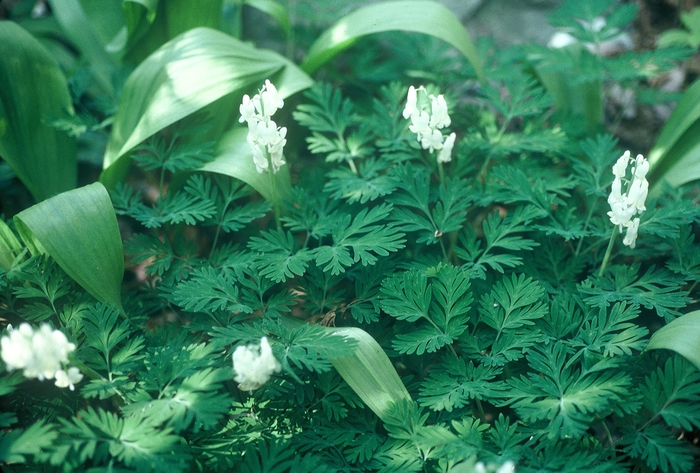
x: 235, y: 158
x: 275, y: 9
x: 91, y: 33
x: 369, y: 372
x: 151, y: 23
x: 185, y: 75
x: 682, y: 336
x: 676, y: 155
x: 33, y: 89
x: 419, y: 16
x: 10, y: 247
x: 79, y: 230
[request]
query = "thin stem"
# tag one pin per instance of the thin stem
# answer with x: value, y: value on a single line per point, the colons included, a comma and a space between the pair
x: 218, y: 228
x: 615, y: 232
x: 609, y: 435
x: 353, y: 168
x: 275, y: 203
x: 441, y: 171
x: 585, y: 226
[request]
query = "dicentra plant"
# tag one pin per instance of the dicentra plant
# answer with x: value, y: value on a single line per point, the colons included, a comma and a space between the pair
x: 426, y: 275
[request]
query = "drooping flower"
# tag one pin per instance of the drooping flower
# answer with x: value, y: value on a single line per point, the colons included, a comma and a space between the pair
x: 41, y: 353
x: 254, y: 365
x: 265, y: 138
x: 624, y: 206
x: 68, y: 379
x: 445, y: 155
x: 631, y: 235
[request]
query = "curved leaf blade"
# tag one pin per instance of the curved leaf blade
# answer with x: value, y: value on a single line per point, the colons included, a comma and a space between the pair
x: 369, y: 373
x: 275, y: 9
x: 81, y: 29
x: 34, y: 89
x: 235, y: 158
x: 185, y: 75
x: 419, y: 16
x: 674, y: 156
x: 79, y: 230
x: 682, y: 336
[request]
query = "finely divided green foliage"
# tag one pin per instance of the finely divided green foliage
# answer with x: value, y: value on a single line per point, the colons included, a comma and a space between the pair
x: 425, y: 317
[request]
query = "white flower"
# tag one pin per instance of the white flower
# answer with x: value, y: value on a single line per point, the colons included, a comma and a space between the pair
x: 270, y: 99
x: 624, y: 206
x: 641, y: 167
x: 631, y: 235
x: 259, y: 158
x: 266, y: 140
x: 440, y: 117
x: 432, y: 140
x: 428, y: 115
x: 39, y: 353
x: 637, y: 194
x: 267, y: 132
x: 420, y: 124
x: 68, y: 379
x: 621, y: 213
x: 247, y: 109
x: 507, y: 467
x: 254, y: 365
x: 411, y: 103
x: 445, y: 155
x: 620, y: 167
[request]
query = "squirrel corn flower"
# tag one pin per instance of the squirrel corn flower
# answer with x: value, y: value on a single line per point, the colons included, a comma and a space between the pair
x: 254, y: 365
x: 41, y: 353
x: 428, y: 115
x: 624, y: 206
x: 265, y: 138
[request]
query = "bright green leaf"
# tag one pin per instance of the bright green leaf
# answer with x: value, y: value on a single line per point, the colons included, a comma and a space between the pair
x: 418, y: 16
x: 676, y: 155
x: 682, y: 336
x: 235, y: 158
x: 33, y: 90
x: 369, y: 372
x: 184, y: 76
x: 79, y: 230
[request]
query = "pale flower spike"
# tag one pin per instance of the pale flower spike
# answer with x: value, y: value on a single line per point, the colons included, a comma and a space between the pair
x: 254, y: 365
x: 624, y: 207
x: 428, y: 115
x: 265, y: 138
x: 41, y: 354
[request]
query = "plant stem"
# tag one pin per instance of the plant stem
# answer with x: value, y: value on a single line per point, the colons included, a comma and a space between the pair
x: 441, y: 171
x: 275, y: 200
x: 614, y: 234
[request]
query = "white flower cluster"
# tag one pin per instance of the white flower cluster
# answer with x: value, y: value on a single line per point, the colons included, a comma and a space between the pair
x: 625, y: 206
x: 507, y: 467
x: 254, y: 365
x: 41, y: 353
x: 265, y: 138
x: 428, y: 115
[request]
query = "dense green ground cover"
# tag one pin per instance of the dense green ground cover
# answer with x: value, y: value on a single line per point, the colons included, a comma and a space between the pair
x: 379, y: 245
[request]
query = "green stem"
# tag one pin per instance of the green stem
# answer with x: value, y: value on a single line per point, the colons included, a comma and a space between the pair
x: 585, y: 227
x: 275, y: 200
x: 615, y: 232
x: 441, y: 171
